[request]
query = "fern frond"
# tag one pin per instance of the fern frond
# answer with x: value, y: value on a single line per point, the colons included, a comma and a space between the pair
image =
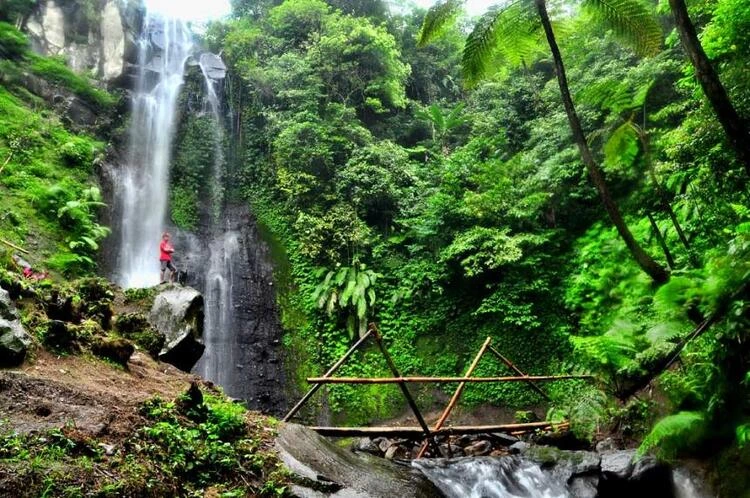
x: 436, y: 20
x: 675, y: 433
x: 622, y: 147
x: 631, y: 20
x: 513, y: 31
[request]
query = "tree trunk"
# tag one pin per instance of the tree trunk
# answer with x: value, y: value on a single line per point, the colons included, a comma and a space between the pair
x: 657, y: 273
x: 730, y: 120
x: 662, y: 242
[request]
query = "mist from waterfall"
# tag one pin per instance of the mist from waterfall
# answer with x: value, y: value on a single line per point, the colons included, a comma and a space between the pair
x: 163, y: 48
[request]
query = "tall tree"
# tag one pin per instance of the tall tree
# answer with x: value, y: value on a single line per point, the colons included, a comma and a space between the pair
x: 499, y: 27
x: 730, y: 120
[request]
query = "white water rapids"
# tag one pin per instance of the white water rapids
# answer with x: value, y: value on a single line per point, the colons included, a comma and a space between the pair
x: 515, y: 477
x: 163, y: 49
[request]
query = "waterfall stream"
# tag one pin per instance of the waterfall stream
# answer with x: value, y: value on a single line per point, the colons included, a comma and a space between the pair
x: 163, y: 48
x: 509, y: 477
x: 517, y: 477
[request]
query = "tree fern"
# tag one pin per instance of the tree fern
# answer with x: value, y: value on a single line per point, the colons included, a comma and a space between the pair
x: 438, y: 17
x: 631, y: 20
x: 512, y: 31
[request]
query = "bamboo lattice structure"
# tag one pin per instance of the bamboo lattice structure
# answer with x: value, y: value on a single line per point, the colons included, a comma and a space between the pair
x: 423, y: 430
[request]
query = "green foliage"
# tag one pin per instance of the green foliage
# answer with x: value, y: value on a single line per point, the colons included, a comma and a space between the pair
x: 436, y: 20
x: 348, y: 289
x: 56, y: 71
x: 631, y: 20
x: 675, y: 432
x: 13, y: 43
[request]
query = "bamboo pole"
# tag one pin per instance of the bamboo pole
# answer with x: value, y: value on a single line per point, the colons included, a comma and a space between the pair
x: 14, y: 246
x: 417, y: 431
x: 404, y: 389
x: 517, y: 370
x: 456, y: 394
x: 330, y: 372
x: 440, y: 380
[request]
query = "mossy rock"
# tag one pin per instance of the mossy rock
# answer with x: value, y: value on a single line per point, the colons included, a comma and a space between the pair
x: 135, y: 326
x: 56, y: 335
x: 96, y: 297
x: 116, y: 349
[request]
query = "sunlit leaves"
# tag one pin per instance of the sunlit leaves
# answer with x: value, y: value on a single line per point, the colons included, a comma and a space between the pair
x: 631, y: 20
x: 437, y: 18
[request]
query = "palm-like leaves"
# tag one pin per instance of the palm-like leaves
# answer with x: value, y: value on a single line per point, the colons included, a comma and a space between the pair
x: 631, y: 20
x: 350, y: 288
x: 436, y: 20
x: 513, y: 31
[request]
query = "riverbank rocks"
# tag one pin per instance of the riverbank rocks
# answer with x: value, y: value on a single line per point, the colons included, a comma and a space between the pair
x: 14, y: 341
x: 177, y: 313
x: 322, y: 469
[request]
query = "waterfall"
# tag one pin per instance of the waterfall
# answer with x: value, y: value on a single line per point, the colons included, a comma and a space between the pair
x: 509, y: 477
x: 518, y: 477
x: 218, y: 361
x: 163, y: 49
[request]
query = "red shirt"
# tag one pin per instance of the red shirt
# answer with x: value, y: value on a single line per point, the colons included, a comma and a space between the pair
x: 165, y: 251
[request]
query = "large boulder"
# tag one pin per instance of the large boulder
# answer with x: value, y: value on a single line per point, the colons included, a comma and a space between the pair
x: 14, y: 342
x: 7, y: 309
x: 323, y: 469
x: 177, y: 313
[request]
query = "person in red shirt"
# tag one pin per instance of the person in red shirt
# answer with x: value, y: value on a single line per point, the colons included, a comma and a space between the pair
x: 165, y: 257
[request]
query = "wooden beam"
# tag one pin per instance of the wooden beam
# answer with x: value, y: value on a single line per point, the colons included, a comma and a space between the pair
x: 517, y: 370
x: 330, y: 372
x: 404, y: 389
x: 456, y: 394
x: 417, y: 432
x: 440, y: 380
x: 10, y: 244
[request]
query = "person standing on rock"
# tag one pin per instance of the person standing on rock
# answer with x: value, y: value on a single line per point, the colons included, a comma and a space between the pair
x: 165, y: 257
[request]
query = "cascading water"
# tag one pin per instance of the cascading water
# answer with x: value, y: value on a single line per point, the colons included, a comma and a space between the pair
x: 517, y: 477
x: 163, y: 49
x: 509, y: 477
x: 218, y: 360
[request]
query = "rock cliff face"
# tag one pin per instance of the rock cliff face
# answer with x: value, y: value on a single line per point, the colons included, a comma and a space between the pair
x: 94, y: 37
x: 244, y: 353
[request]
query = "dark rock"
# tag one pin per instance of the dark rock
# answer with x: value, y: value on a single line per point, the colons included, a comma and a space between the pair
x: 650, y: 475
x: 466, y: 439
x: 58, y: 335
x: 14, y: 342
x: 115, y: 349
x: 478, y: 448
x: 617, y: 464
x: 309, y: 456
x: 177, y: 313
x: 518, y: 447
x: 135, y: 326
x: 503, y: 439
x: 366, y: 445
x: 449, y: 450
x: 584, y: 486
x: 396, y: 452
x: 7, y: 309
x: 384, y: 444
